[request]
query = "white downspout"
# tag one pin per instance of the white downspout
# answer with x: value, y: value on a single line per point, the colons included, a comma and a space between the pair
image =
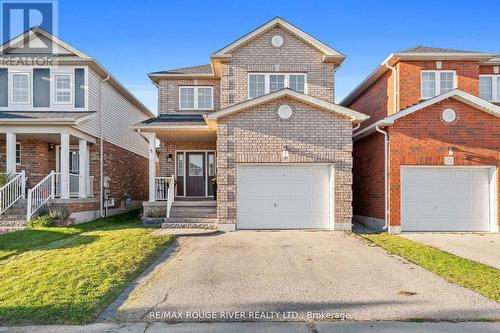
x: 101, y: 150
x: 386, y: 177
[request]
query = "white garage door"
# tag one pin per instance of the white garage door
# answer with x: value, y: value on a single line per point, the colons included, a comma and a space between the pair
x: 283, y: 196
x: 444, y: 199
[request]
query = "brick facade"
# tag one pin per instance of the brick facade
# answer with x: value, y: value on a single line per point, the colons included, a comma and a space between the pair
x: 422, y: 138
x: 257, y: 135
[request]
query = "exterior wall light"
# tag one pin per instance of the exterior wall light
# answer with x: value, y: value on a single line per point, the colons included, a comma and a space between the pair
x: 451, y: 151
x: 284, y: 154
x: 169, y: 158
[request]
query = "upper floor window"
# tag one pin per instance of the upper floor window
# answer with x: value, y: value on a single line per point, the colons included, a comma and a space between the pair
x: 436, y: 82
x: 264, y: 83
x: 196, y: 98
x: 21, y: 88
x: 489, y: 87
x: 63, y: 91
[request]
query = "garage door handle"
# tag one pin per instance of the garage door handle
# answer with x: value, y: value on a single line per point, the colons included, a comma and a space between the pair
x: 275, y: 204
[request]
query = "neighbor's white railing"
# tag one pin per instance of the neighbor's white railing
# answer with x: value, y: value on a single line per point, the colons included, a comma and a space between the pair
x: 40, y: 194
x: 170, y: 195
x: 12, y: 191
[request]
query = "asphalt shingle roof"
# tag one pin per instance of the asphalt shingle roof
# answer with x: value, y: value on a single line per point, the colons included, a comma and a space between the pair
x: 40, y: 115
x: 428, y: 49
x: 201, y: 69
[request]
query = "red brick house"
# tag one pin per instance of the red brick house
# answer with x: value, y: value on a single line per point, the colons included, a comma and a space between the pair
x: 65, y: 133
x: 427, y: 158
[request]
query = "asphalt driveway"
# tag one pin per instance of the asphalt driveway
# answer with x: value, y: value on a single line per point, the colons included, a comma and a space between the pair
x: 483, y: 248
x: 322, y: 272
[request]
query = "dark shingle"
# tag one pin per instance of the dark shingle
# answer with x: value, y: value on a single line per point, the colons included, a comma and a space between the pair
x: 201, y: 69
x: 428, y: 49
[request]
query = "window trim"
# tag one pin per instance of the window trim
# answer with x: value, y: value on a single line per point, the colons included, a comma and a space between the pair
x: 30, y: 88
x: 267, y: 84
x: 20, y: 153
x: 71, y: 88
x: 437, y: 77
x: 195, y: 105
x: 495, y: 96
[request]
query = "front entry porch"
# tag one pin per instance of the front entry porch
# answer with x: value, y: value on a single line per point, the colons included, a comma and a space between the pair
x: 43, y: 166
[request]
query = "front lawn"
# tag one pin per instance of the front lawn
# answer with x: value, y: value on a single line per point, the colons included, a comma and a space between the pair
x: 69, y: 275
x: 483, y: 279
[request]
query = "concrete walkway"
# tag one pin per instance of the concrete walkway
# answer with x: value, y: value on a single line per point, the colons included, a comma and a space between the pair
x: 483, y: 248
x: 303, y: 272
x: 338, y: 327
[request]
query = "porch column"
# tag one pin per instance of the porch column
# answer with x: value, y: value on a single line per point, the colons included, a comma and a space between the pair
x: 152, y: 164
x: 64, y: 166
x: 82, y: 167
x: 11, y: 153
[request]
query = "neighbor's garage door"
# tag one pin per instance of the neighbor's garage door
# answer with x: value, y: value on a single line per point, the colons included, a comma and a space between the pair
x: 283, y: 196
x: 444, y: 199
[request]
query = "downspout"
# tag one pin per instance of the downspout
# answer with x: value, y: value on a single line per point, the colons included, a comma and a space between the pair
x: 386, y: 177
x: 101, y: 150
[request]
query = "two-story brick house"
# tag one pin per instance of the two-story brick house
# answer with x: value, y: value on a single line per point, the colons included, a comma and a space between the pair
x: 428, y: 157
x: 262, y: 117
x: 65, y: 132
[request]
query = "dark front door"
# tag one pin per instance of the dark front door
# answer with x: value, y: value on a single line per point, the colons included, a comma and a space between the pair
x: 195, y: 174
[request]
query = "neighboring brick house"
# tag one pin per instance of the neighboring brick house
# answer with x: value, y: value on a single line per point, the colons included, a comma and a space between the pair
x: 261, y: 116
x: 439, y: 109
x: 58, y: 109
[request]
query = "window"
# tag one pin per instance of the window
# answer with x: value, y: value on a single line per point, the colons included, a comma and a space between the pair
x: 436, y: 82
x: 195, y: 164
x: 264, y: 83
x: 21, y: 88
x: 489, y: 87
x: 276, y: 82
x: 257, y: 85
x: 62, y: 89
x: 196, y: 98
x: 18, y: 153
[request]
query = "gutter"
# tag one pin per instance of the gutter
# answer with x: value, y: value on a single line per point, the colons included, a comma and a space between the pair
x: 101, y: 150
x: 386, y: 177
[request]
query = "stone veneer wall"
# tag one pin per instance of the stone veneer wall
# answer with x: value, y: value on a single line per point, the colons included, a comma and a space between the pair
x: 257, y: 135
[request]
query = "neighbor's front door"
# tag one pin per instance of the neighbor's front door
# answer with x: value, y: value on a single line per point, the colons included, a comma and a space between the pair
x: 195, y: 174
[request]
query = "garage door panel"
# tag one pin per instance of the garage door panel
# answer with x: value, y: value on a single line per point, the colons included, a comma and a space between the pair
x: 283, y: 196
x: 444, y: 199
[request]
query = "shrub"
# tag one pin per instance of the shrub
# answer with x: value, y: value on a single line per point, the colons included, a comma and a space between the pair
x: 41, y: 221
x: 58, y: 213
x: 4, y: 179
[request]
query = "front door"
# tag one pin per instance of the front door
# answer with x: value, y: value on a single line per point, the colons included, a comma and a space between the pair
x: 195, y: 174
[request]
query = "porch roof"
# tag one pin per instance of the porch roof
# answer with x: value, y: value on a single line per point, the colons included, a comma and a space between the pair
x: 170, y: 121
x: 45, y: 117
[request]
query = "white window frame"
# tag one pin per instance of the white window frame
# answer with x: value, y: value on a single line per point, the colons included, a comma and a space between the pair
x: 495, y: 96
x: 437, y: 78
x: 71, y: 88
x: 18, y: 144
x: 196, y: 98
x: 267, y: 81
x: 30, y: 87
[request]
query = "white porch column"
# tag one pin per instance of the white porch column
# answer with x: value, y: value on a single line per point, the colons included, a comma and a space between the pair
x: 11, y: 152
x: 82, y: 167
x: 64, y: 166
x: 152, y: 164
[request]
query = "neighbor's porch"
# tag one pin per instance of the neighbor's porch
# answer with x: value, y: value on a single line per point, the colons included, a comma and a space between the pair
x: 47, y: 165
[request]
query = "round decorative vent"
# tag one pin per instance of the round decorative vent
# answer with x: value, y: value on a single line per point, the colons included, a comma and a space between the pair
x: 285, y: 111
x: 449, y: 115
x: 277, y: 41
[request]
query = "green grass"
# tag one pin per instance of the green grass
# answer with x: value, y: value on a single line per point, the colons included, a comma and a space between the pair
x: 69, y: 275
x: 481, y: 278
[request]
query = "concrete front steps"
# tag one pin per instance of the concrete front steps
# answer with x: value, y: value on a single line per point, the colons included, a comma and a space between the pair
x: 192, y: 214
x: 14, y: 218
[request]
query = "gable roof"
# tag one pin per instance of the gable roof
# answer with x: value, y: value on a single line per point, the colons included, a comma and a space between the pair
x: 77, y: 58
x: 328, y: 51
x: 356, y: 117
x: 417, y: 53
x: 457, y: 94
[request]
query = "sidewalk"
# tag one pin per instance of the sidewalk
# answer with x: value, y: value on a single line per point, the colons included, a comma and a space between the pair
x: 266, y: 327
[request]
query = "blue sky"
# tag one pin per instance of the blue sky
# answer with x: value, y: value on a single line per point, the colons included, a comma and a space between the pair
x: 132, y: 38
